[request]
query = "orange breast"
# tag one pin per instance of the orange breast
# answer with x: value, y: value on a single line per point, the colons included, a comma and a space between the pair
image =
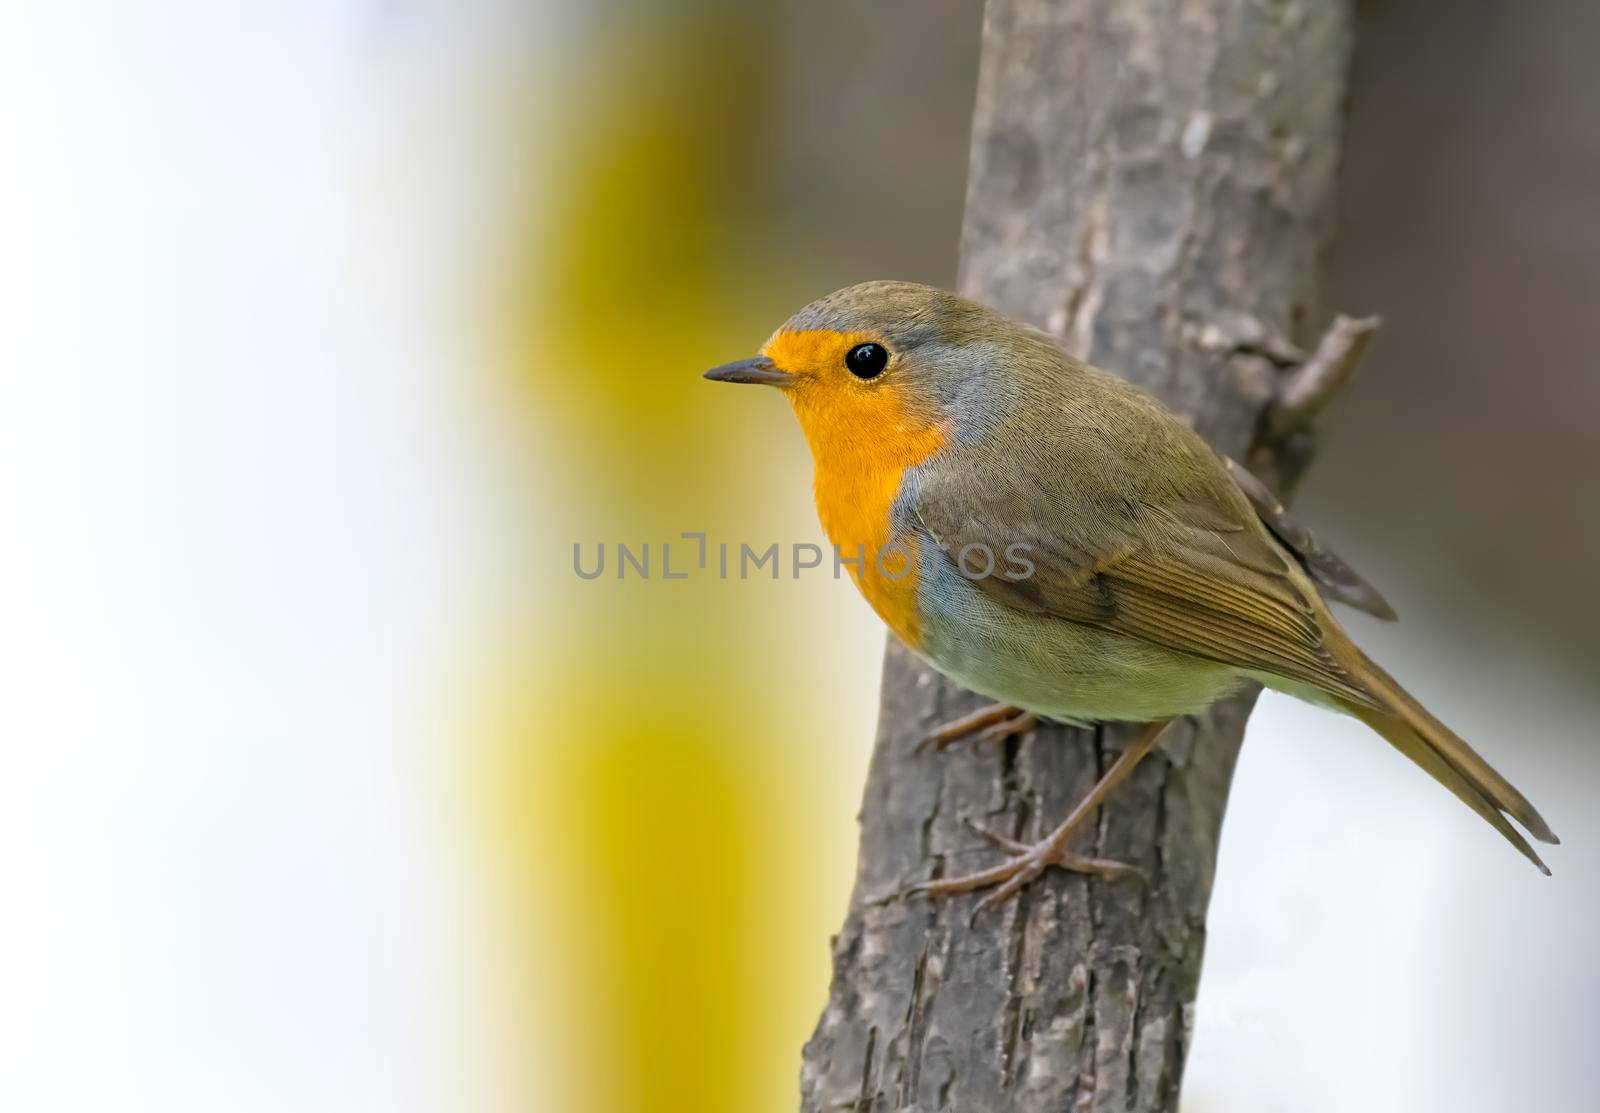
x: 855, y: 510
x: 863, y: 438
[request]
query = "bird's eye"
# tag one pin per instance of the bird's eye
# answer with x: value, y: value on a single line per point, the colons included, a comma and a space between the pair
x: 867, y: 361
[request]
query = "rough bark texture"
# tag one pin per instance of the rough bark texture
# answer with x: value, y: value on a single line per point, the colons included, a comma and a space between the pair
x: 1152, y: 180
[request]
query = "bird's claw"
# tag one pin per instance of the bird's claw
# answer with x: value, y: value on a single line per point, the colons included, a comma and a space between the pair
x: 1026, y: 863
x: 994, y: 723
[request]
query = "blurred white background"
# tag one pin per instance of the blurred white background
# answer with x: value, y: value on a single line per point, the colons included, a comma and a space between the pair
x: 245, y: 544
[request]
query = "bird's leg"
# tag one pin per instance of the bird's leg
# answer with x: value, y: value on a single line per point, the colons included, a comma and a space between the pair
x: 1028, y: 862
x: 994, y: 723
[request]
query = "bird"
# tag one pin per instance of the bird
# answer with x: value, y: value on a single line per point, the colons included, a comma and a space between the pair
x: 1056, y: 539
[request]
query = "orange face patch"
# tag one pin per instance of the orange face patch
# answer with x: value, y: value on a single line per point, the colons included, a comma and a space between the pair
x: 812, y: 352
x: 864, y: 434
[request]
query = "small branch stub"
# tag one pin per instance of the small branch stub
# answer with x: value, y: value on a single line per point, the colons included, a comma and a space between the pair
x: 1313, y: 384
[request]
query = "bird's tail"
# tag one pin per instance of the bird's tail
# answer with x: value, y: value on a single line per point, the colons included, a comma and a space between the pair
x: 1412, y: 730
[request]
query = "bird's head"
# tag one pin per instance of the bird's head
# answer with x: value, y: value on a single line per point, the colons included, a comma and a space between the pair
x: 885, y: 371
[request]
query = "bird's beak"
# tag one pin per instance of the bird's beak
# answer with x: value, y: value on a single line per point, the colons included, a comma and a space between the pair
x: 759, y: 369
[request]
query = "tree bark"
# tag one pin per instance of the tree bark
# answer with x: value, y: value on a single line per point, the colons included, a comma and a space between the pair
x: 1151, y: 180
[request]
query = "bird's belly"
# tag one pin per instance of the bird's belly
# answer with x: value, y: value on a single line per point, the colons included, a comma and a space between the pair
x: 1055, y: 668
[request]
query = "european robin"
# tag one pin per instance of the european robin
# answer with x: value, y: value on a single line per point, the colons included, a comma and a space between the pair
x: 1054, y: 538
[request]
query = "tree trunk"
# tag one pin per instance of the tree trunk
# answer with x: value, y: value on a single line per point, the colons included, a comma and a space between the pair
x: 1152, y: 180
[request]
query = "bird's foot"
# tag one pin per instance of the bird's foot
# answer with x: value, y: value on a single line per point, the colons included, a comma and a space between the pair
x: 994, y: 723
x: 1027, y: 862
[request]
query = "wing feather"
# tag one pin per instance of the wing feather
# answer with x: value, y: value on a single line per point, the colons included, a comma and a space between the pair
x: 1198, y: 575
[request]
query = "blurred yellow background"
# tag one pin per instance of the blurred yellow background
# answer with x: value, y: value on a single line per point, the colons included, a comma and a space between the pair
x: 674, y: 765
